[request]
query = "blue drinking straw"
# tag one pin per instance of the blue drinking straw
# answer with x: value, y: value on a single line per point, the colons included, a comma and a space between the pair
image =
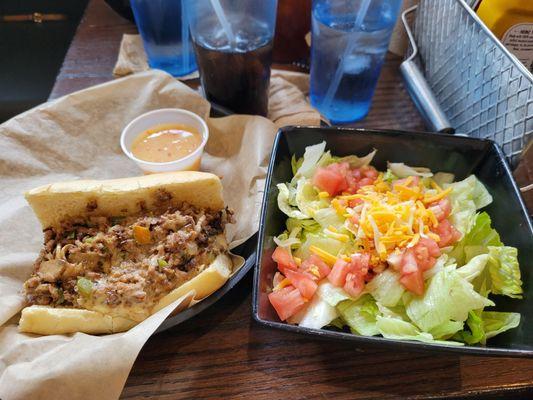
x: 334, y: 85
x: 223, y: 21
x: 184, y: 36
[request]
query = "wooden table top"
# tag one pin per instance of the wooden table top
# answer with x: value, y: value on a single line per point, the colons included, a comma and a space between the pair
x: 223, y: 353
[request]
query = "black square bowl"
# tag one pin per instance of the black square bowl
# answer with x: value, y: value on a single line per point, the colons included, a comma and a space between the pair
x: 461, y: 156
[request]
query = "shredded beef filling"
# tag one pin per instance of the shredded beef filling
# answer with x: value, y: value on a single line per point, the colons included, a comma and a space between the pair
x: 125, y: 261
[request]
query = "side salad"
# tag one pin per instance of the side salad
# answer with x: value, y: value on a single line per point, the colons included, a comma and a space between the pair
x: 403, y: 253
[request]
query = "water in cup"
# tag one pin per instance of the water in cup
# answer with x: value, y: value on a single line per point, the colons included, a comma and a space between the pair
x: 164, y: 29
x: 233, y: 43
x: 349, y: 42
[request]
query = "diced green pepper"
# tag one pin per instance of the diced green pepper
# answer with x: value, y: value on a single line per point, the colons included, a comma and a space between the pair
x: 85, y: 286
x: 116, y: 220
x: 71, y: 235
x: 61, y: 298
x: 162, y: 263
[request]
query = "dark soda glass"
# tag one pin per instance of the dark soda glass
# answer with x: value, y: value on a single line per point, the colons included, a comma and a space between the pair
x: 236, y: 80
x: 234, y: 67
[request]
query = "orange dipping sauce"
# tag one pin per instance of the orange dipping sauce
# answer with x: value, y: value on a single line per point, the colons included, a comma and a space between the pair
x: 166, y: 142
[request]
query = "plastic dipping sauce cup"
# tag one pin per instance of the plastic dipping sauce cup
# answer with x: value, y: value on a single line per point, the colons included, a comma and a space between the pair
x: 165, y: 117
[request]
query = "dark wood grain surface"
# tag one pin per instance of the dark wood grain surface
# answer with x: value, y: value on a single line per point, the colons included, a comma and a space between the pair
x: 223, y: 353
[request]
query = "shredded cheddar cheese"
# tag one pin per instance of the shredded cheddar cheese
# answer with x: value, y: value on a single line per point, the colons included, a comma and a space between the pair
x: 281, y: 285
x: 314, y: 270
x: 383, y: 218
x: 328, y: 258
x: 338, y: 206
x: 437, y: 197
x: 388, y: 217
x: 339, y: 236
x: 434, y: 185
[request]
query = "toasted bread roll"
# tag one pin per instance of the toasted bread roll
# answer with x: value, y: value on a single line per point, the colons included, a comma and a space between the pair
x: 123, y: 198
x: 57, y: 202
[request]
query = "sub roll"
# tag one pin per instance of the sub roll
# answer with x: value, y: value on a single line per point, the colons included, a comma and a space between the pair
x: 117, y: 251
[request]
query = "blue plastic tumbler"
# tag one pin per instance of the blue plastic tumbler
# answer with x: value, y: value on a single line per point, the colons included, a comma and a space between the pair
x: 349, y: 42
x: 164, y: 29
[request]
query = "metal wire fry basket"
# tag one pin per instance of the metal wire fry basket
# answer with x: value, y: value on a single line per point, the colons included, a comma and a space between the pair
x: 482, y: 89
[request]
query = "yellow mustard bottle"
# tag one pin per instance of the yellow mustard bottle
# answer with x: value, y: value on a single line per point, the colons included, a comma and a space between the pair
x: 512, y: 22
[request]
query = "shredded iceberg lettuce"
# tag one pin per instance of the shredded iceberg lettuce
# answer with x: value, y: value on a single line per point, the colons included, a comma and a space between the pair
x: 296, y: 163
x: 447, y: 297
x: 331, y: 294
x: 474, y: 267
x: 311, y: 157
x: 466, y: 197
x: 446, y: 329
x: 451, y: 310
x: 358, y: 162
x: 284, y: 240
x: 443, y: 178
x: 394, y: 328
x: 504, y: 271
x: 327, y: 217
x: 386, y: 288
x: 318, y: 313
x: 483, y: 325
x: 388, y: 176
x: 495, y: 322
x: 477, y: 240
x: 284, y: 203
x: 306, y: 198
x: 360, y: 315
x: 328, y: 244
x: 483, y: 247
x: 402, y: 170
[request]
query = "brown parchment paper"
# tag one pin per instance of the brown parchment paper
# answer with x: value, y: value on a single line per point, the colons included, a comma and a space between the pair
x: 77, y: 136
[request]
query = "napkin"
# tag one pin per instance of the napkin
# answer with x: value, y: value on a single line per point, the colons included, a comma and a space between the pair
x: 288, y: 93
x: 77, y: 136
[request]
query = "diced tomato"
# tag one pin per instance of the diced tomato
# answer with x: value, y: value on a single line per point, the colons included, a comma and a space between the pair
x: 353, y: 203
x: 408, y: 263
x: 441, y: 209
x: 415, y: 261
x: 414, y: 282
x: 369, y: 172
x: 357, y: 266
x: 284, y: 260
x: 358, y: 177
x: 313, y: 262
x: 360, y: 263
x: 303, y: 282
x: 447, y: 233
x: 331, y: 179
x: 411, y: 274
x: 278, y: 278
x: 338, y: 273
x: 287, y: 301
x: 366, y: 182
x: 431, y: 245
x: 414, y: 181
x: 354, y: 284
x: 395, y: 261
x: 338, y: 177
x: 425, y: 253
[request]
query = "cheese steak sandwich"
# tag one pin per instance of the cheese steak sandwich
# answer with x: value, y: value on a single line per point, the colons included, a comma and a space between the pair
x: 116, y: 251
